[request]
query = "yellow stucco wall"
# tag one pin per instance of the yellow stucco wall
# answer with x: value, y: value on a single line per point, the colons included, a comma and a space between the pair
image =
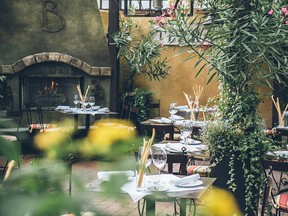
x: 181, y: 79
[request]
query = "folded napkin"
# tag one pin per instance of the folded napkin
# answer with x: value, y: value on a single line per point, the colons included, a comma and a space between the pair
x: 187, y: 179
x: 105, y: 176
x: 182, y: 107
x: 198, y: 123
x: 156, y: 120
x: 177, y: 117
x: 62, y: 107
x: 165, y: 120
x: 95, y: 107
x: 104, y: 109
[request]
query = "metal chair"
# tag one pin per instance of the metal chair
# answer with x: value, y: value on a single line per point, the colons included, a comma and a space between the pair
x: 160, y: 129
x: 276, y: 187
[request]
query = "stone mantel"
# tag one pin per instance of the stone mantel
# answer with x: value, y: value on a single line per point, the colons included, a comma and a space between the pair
x: 54, y: 57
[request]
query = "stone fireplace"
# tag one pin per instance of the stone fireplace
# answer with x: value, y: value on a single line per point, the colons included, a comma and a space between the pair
x: 48, y: 47
x: 50, y: 80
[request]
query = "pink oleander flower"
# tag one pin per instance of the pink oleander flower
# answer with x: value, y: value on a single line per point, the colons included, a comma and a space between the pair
x: 284, y: 10
x: 270, y: 12
x: 286, y: 22
x: 158, y: 20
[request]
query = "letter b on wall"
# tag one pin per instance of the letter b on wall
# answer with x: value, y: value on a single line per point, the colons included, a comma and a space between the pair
x: 53, y: 21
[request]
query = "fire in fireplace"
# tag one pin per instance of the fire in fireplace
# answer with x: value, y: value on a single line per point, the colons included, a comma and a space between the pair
x: 49, y: 92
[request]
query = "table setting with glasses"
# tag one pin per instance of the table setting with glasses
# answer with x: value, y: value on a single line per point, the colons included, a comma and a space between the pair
x: 141, y: 185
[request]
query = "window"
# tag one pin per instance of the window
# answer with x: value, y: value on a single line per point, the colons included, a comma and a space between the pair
x: 139, y: 4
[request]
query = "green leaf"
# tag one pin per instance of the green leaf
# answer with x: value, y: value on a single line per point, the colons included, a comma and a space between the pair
x: 211, y: 77
x: 246, y: 47
x: 197, y: 63
x: 199, y: 71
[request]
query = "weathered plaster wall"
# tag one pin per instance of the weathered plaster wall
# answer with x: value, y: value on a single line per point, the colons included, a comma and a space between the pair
x: 78, y: 26
x: 182, y: 78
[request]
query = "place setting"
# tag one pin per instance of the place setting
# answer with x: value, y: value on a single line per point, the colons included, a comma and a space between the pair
x: 83, y: 104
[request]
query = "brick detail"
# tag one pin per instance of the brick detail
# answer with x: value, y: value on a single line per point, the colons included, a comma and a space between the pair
x: 29, y: 60
x: 86, y: 67
x: 7, y: 69
x: 41, y: 57
x: 18, y: 66
x: 53, y: 56
x: 105, y: 71
x: 95, y: 71
x: 57, y: 57
x: 65, y: 58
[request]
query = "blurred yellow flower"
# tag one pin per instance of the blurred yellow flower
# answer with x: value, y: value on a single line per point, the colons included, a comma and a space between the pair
x: 104, y: 133
x: 221, y: 203
x: 49, y: 139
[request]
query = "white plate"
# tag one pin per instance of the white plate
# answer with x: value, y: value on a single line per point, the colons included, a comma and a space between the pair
x: 190, y: 184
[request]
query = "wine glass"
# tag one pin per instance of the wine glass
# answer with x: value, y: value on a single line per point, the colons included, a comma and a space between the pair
x: 159, y: 158
x: 76, y: 100
x: 186, y: 130
x: 172, y: 110
x: 91, y: 102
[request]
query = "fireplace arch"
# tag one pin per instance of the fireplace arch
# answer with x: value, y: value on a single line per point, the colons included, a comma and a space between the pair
x: 55, y: 57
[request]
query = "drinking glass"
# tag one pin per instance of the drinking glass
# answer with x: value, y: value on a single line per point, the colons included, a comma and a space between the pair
x: 186, y: 130
x: 91, y: 102
x: 159, y: 158
x: 76, y: 100
x: 172, y: 110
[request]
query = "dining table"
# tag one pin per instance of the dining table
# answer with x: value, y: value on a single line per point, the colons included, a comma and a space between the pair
x: 177, y: 122
x: 178, y: 152
x: 76, y: 112
x: 170, y: 189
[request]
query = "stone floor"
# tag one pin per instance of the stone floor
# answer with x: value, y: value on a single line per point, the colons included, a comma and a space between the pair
x: 112, y: 205
x: 121, y: 205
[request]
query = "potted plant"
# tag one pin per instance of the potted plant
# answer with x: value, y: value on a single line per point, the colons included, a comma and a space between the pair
x: 245, y: 44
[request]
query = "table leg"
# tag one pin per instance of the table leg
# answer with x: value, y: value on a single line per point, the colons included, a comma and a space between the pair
x: 75, y: 122
x: 87, y: 121
x: 182, y: 207
x: 183, y: 165
x: 150, y: 205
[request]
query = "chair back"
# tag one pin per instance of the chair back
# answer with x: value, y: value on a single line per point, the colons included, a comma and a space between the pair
x: 277, y: 170
x: 32, y: 124
x: 154, y: 106
x: 124, y: 111
x: 133, y: 114
x: 267, y: 191
x: 160, y: 130
x: 276, y: 185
